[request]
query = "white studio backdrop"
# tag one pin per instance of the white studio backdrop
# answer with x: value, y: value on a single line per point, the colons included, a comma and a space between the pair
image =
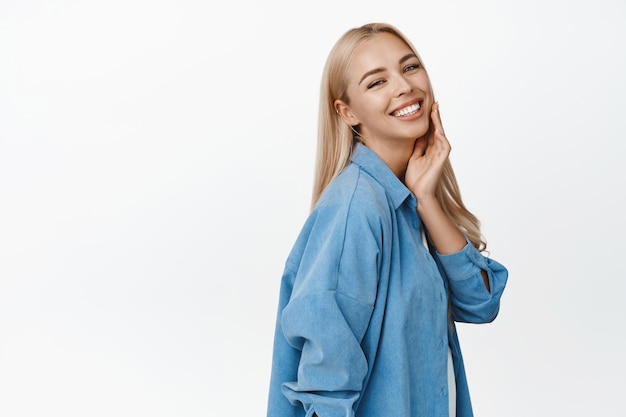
x: 156, y: 161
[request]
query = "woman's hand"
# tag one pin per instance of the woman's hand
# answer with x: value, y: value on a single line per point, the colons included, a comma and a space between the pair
x: 426, y: 163
x: 422, y: 176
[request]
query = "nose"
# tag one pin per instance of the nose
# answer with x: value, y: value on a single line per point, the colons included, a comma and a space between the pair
x: 402, y: 86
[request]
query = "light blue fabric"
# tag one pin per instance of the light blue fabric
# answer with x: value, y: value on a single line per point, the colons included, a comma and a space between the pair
x: 362, y: 327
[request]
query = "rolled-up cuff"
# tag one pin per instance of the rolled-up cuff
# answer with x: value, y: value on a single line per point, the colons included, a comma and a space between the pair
x: 463, y: 264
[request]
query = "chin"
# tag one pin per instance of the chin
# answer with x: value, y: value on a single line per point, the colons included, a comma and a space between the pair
x: 419, y: 131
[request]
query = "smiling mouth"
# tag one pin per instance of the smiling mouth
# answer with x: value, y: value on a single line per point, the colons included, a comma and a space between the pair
x: 407, y: 111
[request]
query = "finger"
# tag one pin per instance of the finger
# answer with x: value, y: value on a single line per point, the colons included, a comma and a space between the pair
x: 419, y: 147
x: 439, y: 135
x: 436, y: 118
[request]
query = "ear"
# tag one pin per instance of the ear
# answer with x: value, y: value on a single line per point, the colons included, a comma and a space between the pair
x: 344, y: 111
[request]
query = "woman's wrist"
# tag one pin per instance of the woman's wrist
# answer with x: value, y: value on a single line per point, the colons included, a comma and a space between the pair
x: 444, y: 234
x: 427, y: 204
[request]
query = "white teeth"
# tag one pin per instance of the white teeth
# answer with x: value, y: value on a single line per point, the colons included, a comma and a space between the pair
x: 408, y: 110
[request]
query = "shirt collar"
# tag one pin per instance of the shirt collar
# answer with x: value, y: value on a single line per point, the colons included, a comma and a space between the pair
x: 371, y: 163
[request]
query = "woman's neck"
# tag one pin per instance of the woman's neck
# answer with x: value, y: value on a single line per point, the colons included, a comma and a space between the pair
x: 395, y: 154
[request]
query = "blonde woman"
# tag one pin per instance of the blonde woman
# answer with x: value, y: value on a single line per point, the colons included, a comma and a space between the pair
x: 389, y: 257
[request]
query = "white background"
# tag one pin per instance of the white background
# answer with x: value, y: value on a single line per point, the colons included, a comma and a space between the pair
x: 156, y: 162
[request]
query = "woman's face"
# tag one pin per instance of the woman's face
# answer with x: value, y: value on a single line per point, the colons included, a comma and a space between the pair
x: 389, y: 91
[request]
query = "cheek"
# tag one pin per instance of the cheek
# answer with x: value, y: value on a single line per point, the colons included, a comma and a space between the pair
x: 425, y: 84
x: 375, y: 103
x: 362, y: 110
x: 369, y: 105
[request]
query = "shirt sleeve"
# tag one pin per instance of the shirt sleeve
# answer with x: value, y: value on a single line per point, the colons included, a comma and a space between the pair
x: 471, y: 301
x: 329, y: 310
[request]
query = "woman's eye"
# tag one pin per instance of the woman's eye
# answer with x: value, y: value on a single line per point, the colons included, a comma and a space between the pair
x: 411, y: 67
x: 375, y: 83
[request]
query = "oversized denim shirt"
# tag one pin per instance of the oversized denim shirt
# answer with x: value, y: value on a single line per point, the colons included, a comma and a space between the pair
x: 363, y: 325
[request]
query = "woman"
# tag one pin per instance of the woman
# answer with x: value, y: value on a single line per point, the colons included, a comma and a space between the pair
x: 389, y: 257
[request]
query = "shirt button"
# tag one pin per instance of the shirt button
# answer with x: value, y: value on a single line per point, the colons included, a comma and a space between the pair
x: 443, y: 343
x: 444, y: 392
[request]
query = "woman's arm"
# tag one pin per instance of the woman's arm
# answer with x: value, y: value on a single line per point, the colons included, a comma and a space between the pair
x: 330, y: 289
x: 472, y: 299
x: 422, y: 176
x: 445, y: 236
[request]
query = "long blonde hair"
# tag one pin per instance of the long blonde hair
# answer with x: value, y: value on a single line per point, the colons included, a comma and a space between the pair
x: 336, y: 139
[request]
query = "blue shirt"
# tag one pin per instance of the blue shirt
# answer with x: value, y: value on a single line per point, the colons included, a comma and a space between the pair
x: 363, y: 324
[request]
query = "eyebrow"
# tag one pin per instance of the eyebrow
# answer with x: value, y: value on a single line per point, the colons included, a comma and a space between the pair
x: 377, y: 70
